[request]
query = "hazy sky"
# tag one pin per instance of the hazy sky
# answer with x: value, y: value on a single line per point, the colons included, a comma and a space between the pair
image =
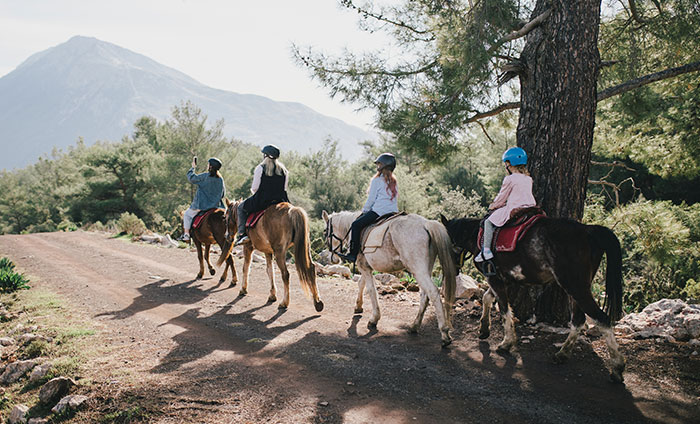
x: 242, y: 46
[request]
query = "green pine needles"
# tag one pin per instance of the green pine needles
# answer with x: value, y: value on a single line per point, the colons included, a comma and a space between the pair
x: 10, y: 280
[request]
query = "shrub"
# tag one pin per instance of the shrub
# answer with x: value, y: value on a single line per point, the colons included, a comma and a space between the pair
x: 660, y: 252
x: 10, y: 280
x: 67, y: 225
x: 131, y: 224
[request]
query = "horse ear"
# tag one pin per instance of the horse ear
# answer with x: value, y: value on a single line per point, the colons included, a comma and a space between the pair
x: 324, y: 214
x: 227, y: 202
x: 444, y: 220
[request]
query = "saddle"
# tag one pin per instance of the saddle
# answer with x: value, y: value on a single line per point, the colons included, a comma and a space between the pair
x: 199, y: 218
x: 506, y: 237
x: 372, y: 237
x: 254, y: 218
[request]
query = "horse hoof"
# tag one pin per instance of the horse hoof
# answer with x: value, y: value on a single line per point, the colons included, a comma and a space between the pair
x: 413, y: 329
x: 319, y: 306
x: 503, y: 348
x: 243, y: 292
x: 372, y: 325
x: 484, y: 335
x: 446, y: 342
x: 199, y: 277
x: 281, y: 306
x: 358, y: 310
x: 233, y: 284
x: 616, y: 378
x: 560, y: 358
x: 272, y: 299
x: 212, y: 271
x: 221, y: 280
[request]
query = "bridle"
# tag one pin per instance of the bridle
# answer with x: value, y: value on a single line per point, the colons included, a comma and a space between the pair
x: 329, y: 235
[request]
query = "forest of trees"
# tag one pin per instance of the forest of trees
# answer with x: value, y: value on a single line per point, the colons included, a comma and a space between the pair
x: 607, y: 145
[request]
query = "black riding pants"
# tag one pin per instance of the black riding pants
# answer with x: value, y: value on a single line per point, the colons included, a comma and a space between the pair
x: 362, y: 222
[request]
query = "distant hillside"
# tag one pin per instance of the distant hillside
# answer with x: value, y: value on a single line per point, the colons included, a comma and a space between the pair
x: 97, y: 90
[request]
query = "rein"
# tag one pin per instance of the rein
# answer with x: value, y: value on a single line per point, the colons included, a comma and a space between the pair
x: 463, y: 256
x: 330, y: 235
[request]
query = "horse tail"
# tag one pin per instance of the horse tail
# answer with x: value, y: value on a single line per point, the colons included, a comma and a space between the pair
x: 225, y: 251
x: 608, y: 241
x: 302, y: 257
x: 439, y: 236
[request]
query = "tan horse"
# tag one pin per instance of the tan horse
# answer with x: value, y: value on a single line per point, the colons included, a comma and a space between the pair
x: 411, y: 243
x: 213, y: 230
x: 281, y: 227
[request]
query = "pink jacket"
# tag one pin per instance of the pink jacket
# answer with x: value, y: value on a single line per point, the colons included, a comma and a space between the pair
x: 516, y: 192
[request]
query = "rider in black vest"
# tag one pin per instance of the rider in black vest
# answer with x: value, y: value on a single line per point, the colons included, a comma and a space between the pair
x: 269, y: 188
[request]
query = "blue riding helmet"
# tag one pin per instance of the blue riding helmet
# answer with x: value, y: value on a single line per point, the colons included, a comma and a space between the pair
x: 516, y: 156
x: 215, y: 163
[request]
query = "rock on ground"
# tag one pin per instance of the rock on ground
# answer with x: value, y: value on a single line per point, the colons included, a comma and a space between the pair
x: 55, y: 388
x: 18, y: 414
x: 467, y: 288
x: 72, y: 402
x: 667, y: 318
x: 17, y: 370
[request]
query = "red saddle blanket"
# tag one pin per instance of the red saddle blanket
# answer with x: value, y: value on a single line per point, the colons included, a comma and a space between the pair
x: 254, y: 218
x: 506, y: 237
x: 201, y: 216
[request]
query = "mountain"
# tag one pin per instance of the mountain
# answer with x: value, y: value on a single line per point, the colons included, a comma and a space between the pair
x: 96, y: 90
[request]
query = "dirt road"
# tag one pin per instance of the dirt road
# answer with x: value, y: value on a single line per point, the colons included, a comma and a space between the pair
x: 194, y: 351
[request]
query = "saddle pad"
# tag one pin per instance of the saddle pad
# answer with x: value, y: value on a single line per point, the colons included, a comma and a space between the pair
x: 507, y: 237
x: 254, y: 218
x: 200, y: 217
x: 373, y: 236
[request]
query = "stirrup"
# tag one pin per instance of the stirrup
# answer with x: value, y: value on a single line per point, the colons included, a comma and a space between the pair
x: 242, y: 240
x: 184, y: 238
x: 488, y: 268
x: 348, y: 257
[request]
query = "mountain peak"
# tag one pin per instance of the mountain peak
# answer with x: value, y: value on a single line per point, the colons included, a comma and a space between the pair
x: 97, y: 90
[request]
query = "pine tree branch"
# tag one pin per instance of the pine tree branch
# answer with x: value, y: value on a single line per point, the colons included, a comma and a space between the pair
x: 381, y: 18
x: 648, y: 79
x: 635, y: 13
x: 522, y: 31
x: 492, y: 112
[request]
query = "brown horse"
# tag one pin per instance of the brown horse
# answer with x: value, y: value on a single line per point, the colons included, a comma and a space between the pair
x: 560, y: 251
x: 281, y: 227
x: 213, y: 230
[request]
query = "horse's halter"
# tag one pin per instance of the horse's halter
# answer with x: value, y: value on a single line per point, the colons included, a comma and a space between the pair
x: 329, y: 235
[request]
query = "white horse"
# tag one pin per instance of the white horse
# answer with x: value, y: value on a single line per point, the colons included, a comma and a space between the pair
x: 411, y: 243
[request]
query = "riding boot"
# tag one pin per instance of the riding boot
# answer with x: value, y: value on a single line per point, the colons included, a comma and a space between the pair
x: 241, y: 237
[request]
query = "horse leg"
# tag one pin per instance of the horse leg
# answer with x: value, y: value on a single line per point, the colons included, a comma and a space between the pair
x: 198, y: 245
x: 425, y: 281
x: 230, y: 264
x: 212, y: 271
x: 485, y: 321
x: 366, y: 272
x: 578, y: 318
x: 590, y: 307
x: 509, y: 337
x: 360, y: 292
x: 282, y: 264
x: 271, y: 276
x: 247, y: 254
x: 413, y: 329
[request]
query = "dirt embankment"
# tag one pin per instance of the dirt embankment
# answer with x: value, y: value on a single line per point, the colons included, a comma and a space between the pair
x: 190, y: 350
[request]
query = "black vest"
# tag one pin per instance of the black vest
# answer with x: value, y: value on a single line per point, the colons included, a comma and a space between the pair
x: 270, y: 192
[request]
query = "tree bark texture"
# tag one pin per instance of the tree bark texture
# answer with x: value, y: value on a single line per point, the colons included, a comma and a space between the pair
x: 557, y: 119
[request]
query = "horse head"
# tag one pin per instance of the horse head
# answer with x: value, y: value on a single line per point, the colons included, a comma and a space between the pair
x: 337, y: 232
x: 231, y: 219
x: 463, y: 233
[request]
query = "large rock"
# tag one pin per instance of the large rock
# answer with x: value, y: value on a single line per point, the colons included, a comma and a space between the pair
x: 387, y: 279
x: 17, y: 370
x: 54, y: 389
x: 7, y: 341
x: 324, y: 270
x: 72, y: 403
x: 18, y: 414
x: 467, y: 288
x: 39, y: 372
x: 667, y: 318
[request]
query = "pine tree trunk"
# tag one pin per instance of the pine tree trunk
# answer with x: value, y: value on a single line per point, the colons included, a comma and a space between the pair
x: 557, y: 118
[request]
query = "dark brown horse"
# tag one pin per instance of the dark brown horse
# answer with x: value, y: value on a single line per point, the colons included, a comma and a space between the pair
x: 281, y: 227
x: 559, y: 251
x: 213, y: 230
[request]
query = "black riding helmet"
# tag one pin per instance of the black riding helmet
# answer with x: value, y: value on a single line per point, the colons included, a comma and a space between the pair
x: 387, y: 160
x: 271, y: 150
x: 215, y: 163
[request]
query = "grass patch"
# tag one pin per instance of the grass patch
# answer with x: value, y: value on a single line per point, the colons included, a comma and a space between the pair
x: 126, y: 416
